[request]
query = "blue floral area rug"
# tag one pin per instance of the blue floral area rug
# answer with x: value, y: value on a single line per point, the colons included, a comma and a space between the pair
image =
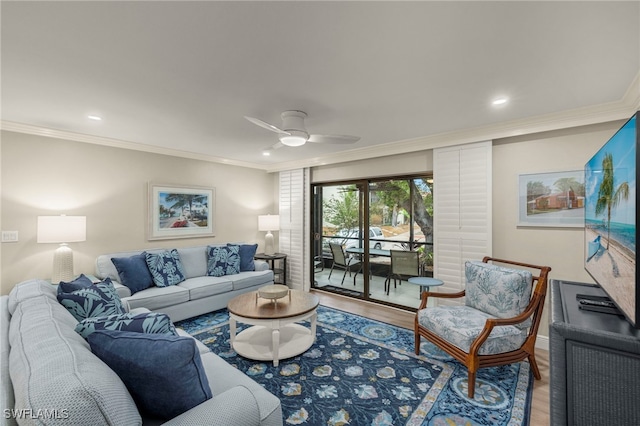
x: 364, y: 372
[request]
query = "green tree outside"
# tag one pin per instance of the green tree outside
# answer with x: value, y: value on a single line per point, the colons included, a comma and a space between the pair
x: 608, y: 196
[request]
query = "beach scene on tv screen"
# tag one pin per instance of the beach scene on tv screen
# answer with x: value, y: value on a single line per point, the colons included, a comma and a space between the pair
x: 610, y: 217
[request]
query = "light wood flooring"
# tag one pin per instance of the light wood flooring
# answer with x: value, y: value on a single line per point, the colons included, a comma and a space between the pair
x: 401, y: 318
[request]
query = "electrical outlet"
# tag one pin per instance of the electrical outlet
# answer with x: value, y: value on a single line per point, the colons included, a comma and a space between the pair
x: 9, y: 236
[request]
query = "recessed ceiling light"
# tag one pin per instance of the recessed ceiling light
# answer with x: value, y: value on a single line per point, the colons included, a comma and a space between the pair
x: 500, y: 101
x: 94, y: 117
x: 266, y: 153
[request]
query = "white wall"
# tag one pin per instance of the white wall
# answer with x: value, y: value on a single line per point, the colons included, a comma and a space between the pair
x: 46, y: 176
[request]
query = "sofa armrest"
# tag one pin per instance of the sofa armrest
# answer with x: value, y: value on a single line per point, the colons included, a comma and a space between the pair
x: 260, y: 265
x: 122, y: 290
x: 236, y: 406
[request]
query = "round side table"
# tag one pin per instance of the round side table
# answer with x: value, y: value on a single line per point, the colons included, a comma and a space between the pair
x: 427, y: 282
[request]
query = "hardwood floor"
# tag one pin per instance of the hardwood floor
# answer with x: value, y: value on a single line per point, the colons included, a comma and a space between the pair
x: 400, y: 318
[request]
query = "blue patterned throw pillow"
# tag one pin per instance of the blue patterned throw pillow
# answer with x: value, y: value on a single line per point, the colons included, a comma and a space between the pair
x: 98, y: 300
x: 163, y: 373
x: 496, y: 290
x: 247, y: 252
x: 166, y: 268
x: 223, y: 260
x: 148, y: 322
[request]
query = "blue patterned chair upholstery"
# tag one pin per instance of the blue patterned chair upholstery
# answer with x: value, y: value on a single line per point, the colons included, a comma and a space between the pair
x: 498, y: 323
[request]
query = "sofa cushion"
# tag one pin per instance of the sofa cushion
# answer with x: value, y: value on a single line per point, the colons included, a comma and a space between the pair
x: 250, y: 279
x: 163, y: 373
x: 194, y: 261
x: 133, y: 272
x: 498, y: 291
x: 77, y: 284
x: 155, y: 298
x: 165, y: 267
x: 200, y: 287
x: 98, y: 300
x: 52, y: 367
x: 148, y: 322
x: 223, y: 260
x: 28, y: 289
x: 247, y: 252
x: 461, y: 325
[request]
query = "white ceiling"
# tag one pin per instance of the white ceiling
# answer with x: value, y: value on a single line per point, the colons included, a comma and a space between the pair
x: 178, y: 77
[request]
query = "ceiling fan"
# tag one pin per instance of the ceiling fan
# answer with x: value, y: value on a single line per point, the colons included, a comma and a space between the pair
x: 294, y: 133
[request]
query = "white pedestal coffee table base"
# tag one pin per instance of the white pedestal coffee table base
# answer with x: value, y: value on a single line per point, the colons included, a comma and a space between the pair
x: 272, y: 339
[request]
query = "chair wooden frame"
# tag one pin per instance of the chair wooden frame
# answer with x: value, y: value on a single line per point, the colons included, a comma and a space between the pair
x: 472, y: 360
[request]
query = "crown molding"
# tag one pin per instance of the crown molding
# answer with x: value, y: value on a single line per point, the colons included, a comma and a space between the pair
x: 602, y: 113
x: 116, y: 143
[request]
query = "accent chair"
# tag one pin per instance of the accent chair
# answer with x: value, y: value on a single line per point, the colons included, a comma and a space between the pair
x: 498, y: 322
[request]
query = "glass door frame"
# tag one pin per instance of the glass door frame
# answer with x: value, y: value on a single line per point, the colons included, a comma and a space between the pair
x: 364, y: 194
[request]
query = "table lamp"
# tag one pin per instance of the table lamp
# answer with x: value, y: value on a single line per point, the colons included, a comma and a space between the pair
x: 269, y: 223
x: 62, y: 230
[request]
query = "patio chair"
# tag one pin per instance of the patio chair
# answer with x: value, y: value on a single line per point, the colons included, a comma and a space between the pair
x: 498, y: 323
x: 340, y: 260
x: 403, y: 264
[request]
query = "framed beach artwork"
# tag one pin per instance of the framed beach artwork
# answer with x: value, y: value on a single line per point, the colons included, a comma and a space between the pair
x: 553, y: 199
x: 180, y: 211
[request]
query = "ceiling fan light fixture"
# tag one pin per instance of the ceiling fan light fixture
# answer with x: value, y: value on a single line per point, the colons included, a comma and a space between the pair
x: 294, y: 138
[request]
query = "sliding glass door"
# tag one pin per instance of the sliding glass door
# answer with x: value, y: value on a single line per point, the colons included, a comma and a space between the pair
x: 356, y: 227
x: 337, y: 233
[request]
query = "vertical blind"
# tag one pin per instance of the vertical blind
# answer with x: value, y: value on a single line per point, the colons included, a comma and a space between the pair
x: 294, y: 223
x: 462, y: 210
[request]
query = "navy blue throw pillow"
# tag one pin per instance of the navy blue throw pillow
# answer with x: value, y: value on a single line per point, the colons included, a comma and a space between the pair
x: 79, y: 283
x: 163, y: 373
x: 134, y: 272
x: 148, y: 322
x: 247, y: 251
x: 98, y: 300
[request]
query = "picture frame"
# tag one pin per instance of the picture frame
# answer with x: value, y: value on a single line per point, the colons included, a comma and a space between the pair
x: 554, y: 199
x: 177, y: 211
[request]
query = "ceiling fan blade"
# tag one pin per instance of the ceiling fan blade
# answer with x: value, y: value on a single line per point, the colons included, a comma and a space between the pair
x: 266, y: 125
x: 333, y: 139
x: 273, y: 147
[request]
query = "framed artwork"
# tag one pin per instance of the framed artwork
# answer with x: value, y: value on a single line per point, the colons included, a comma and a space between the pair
x: 551, y: 199
x: 180, y: 212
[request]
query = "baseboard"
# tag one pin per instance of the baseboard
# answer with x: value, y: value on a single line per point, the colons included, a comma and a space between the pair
x: 542, y: 342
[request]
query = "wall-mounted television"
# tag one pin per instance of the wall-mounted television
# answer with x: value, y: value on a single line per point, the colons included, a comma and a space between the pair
x: 611, y: 206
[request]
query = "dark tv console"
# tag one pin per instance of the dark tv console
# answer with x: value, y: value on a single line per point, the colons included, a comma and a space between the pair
x: 594, y: 361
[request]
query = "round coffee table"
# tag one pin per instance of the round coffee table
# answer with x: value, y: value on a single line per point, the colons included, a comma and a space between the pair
x: 274, y: 334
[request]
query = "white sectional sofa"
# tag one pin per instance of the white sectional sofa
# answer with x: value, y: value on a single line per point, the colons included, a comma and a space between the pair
x: 50, y: 375
x: 197, y: 295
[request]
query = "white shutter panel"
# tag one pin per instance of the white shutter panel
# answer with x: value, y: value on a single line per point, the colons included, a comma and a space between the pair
x: 462, y: 210
x: 293, y: 217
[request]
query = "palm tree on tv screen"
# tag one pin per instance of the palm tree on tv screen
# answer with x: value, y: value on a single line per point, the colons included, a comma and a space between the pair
x: 608, y: 196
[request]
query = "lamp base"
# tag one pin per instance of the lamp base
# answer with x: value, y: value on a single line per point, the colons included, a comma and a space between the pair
x: 62, y: 264
x: 268, y: 244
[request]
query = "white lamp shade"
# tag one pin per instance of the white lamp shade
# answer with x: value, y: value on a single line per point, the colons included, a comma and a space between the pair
x: 269, y: 222
x: 62, y: 229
